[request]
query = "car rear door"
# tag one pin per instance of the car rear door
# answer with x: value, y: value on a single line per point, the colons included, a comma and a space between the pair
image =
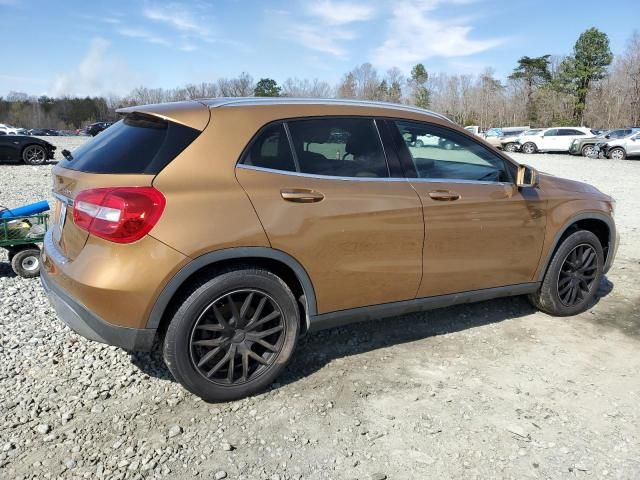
x: 323, y: 191
x: 480, y: 230
x: 566, y: 136
x: 549, y: 140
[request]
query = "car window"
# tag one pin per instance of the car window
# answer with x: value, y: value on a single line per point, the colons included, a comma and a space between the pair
x: 340, y: 147
x: 620, y: 133
x: 452, y: 156
x: 136, y: 144
x: 271, y: 149
x: 570, y: 131
x: 551, y: 133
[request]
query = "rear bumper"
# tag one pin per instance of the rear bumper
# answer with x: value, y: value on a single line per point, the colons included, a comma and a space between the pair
x: 84, y: 322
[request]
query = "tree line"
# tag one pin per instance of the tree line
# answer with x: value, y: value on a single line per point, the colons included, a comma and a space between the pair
x: 590, y: 87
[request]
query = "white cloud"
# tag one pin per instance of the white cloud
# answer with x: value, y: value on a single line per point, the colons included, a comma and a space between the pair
x: 98, y: 73
x: 324, y: 26
x: 340, y: 13
x: 316, y: 39
x: 179, y: 17
x: 415, y: 34
x: 143, y: 34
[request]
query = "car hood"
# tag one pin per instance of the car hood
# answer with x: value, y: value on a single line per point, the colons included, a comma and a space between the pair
x: 550, y: 182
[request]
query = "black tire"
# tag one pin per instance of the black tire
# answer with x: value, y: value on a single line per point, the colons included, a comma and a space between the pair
x: 198, y: 342
x: 510, y: 147
x: 34, y: 155
x: 26, y: 263
x: 617, y: 154
x: 588, y: 151
x: 529, y: 147
x: 419, y: 143
x: 551, y: 298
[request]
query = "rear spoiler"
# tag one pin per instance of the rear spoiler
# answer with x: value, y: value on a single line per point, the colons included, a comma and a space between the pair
x: 189, y: 112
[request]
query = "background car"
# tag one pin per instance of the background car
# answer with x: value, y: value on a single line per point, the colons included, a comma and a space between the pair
x: 44, y: 132
x: 620, y: 148
x: 8, y: 129
x: 553, y: 139
x: 496, y: 136
x: 30, y: 150
x: 95, y: 128
x: 510, y: 144
x: 585, y: 146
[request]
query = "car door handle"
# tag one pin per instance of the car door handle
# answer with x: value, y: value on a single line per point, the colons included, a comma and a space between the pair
x: 301, y: 195
x: 444, y: 195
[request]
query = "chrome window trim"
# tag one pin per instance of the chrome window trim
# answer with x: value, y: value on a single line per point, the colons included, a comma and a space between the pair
x: 370, y: 179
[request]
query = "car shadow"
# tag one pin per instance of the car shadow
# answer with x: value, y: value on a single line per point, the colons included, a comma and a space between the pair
x: 314, y: 351
x: 5, y: 269
x: 22, y: 164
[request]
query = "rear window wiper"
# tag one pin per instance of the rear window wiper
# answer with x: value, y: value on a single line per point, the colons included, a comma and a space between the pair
x: 67, y: 154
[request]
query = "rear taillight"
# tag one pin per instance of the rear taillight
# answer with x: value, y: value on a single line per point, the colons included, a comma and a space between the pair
x: 121, y: 214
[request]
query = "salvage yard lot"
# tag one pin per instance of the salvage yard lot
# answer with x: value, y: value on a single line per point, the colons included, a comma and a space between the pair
x: 488, y: 390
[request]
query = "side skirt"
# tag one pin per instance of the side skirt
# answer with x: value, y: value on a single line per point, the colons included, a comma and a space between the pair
x: 374, y: 312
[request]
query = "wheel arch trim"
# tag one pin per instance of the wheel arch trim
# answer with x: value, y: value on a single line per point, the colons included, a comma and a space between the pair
x: 235, y: 253
x: 568, y: 224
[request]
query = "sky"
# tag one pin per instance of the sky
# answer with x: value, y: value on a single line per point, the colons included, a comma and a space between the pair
x: 59, y: 47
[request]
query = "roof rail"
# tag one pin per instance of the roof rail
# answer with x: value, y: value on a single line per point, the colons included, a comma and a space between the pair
x: 246, y: 101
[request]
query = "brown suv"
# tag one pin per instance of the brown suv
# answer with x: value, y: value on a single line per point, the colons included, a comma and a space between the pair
x: 227, y: 228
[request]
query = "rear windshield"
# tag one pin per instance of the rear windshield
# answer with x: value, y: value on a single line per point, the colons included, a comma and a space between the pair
x: 136, y: 144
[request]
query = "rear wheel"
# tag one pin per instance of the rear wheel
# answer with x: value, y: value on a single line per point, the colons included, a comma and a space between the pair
x: 573, y: 276
x: 529, y: 147
x: 34, y: 155
x: 617, y: 154
x: 232, y: 335
x: 26, y: 263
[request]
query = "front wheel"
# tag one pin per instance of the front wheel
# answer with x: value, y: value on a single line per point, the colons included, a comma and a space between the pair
x: 573, y: 276
x: 34, y: 155
x: 419, y: 143
x: 232, y: 335
x: 588, y: 151
x: 529, y: 147
x: 510, y: 147
x: 617, y: 154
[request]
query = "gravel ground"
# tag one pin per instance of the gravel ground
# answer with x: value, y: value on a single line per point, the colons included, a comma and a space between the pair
x: 490, y: 390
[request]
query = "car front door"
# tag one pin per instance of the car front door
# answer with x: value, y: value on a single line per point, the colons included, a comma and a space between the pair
x: 633, y: 146
x: 9, y: 147
x: 480, y: 230
x: 323, y: 191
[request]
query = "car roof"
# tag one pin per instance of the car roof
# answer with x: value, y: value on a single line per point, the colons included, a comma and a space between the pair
x: 195, y: 113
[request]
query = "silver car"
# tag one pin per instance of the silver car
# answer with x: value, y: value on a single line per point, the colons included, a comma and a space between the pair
x: 620, y: 148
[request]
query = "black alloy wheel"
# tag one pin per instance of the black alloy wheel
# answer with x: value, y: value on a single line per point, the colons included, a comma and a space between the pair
x: 34, y: 155
x: 232, y: 333
x: 577, y: 275
x: 237, y: 337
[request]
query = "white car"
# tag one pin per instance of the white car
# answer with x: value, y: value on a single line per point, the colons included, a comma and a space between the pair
x: 8, y: 129
x: 553, y: 139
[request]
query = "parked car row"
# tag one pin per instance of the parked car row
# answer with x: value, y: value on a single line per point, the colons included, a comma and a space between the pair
x: 617, y: 143
x: 92, y: 130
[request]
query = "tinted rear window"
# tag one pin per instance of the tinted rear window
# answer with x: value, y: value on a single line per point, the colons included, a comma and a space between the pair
x: 136, y: 144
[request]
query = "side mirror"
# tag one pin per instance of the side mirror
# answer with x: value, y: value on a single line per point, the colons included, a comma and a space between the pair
x: 527, y: 177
